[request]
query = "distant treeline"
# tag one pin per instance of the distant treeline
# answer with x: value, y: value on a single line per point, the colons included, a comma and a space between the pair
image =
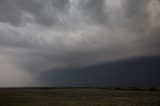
x: 109, y: 88
x: 139, y: 89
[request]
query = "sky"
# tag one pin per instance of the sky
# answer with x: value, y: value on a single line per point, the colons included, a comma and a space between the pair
x: 79, y: 43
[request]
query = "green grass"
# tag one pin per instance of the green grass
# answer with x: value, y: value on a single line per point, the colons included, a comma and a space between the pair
x: 78, y: 97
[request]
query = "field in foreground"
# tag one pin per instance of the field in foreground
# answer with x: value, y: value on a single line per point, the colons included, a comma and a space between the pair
x: 78, y: 97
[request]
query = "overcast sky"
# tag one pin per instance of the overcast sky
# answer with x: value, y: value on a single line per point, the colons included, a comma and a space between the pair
x: 38, y: 36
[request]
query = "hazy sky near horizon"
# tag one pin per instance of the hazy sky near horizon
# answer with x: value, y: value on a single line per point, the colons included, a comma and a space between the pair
x: 45, y: 35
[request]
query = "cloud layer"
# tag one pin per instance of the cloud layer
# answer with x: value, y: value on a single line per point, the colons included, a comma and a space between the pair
x: 40, y: 35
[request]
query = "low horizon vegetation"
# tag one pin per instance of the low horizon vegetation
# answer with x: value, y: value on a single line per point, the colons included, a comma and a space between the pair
x: 78, y: 97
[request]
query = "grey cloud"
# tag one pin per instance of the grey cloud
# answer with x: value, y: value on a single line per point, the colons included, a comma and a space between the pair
x: 153, y: 42
x: 42, y: 12
x: 32, y: 6
x: 138, y: 15
x: 95, y: 9
x: 135, y: 7
x: 38, y: 9
x: 51, y: 34
x: 49, y: 12
x: 61, y: 5
x: 9, y: 12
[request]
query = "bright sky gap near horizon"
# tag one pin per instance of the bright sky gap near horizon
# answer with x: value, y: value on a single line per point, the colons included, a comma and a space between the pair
x: 79, y: 43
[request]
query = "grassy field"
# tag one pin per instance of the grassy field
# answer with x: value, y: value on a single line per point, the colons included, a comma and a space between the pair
x: 78, y: 97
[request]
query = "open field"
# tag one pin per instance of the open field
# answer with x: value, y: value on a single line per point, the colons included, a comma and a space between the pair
x: 78, y: 97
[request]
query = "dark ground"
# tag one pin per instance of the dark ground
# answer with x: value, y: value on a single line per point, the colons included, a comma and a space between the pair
x: 78, y: 97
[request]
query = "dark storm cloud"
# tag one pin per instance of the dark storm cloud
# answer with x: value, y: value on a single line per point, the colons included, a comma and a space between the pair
x: 42, y: 12
x: 138, y: 14
x: 134, y: 8
x: 62, y: 5
x: 32, y: 6
x: 133, y: 72
x: 95, y: 9
x: 48, y: 12
x: 41, y: 35
x: 37, y: 10
x: 9, y: 13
